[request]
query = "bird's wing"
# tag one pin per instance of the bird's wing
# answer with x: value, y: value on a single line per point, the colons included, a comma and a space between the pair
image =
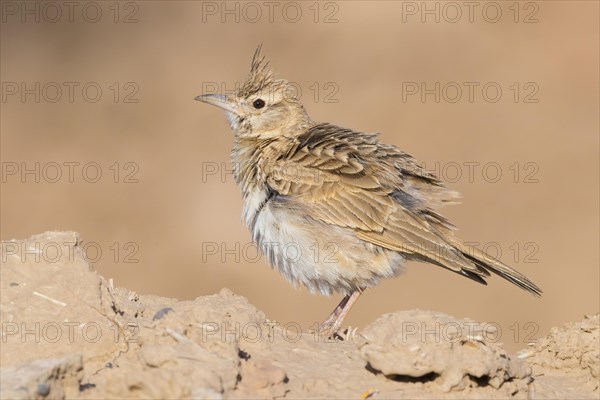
x: 350, y: 181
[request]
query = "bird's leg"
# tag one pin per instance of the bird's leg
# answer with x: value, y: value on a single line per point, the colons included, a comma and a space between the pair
x: 336, y: 312
x: 333, y: 323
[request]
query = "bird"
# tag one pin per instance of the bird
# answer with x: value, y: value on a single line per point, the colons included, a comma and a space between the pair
x: 334, y: 209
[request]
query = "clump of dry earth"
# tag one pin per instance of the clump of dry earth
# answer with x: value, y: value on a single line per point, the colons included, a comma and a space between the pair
x: 68, y: 332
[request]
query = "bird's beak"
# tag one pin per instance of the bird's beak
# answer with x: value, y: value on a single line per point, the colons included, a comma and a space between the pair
x: 220, y: 100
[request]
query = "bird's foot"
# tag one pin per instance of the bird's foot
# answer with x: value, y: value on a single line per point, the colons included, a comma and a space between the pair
x: 328, y: 330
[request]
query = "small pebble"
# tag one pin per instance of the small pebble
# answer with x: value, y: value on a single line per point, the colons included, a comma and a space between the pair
x: 161, y: 313
x: 43, y: 389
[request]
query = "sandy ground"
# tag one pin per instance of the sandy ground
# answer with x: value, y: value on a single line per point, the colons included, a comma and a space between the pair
x: 68, y: 332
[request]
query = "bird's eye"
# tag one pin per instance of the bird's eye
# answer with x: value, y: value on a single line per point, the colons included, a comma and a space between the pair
x: 258, y: 103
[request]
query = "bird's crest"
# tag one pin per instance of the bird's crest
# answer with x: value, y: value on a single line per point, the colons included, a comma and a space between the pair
x: 261, y: 77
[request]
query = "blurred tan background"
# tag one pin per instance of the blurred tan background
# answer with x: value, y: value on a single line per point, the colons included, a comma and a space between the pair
x: 174, y: 208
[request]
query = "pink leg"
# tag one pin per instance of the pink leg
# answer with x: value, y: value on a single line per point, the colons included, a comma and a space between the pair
x: 333, y: 323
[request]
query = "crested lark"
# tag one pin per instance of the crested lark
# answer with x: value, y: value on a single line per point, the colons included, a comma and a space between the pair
x: 334, y: 209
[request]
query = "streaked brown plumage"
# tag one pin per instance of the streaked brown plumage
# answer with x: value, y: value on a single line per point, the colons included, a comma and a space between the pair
x: 351, y: 208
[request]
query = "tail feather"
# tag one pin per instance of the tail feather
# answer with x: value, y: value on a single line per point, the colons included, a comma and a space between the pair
x: 474, y: 263
x: 488, y: 263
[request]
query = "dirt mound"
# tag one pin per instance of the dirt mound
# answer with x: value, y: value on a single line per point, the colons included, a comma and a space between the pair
x: 68, y: 332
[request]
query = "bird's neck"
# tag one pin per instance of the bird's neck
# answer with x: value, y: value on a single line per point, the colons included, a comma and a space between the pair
x: 254, y: 158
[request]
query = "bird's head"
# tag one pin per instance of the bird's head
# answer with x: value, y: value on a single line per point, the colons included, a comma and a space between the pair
x: 262, y: 107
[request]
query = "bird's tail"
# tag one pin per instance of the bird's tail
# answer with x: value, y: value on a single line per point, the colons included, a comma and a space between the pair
x: 489, y: 264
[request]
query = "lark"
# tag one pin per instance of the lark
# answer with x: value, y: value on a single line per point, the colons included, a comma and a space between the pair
x: 334, y: 209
